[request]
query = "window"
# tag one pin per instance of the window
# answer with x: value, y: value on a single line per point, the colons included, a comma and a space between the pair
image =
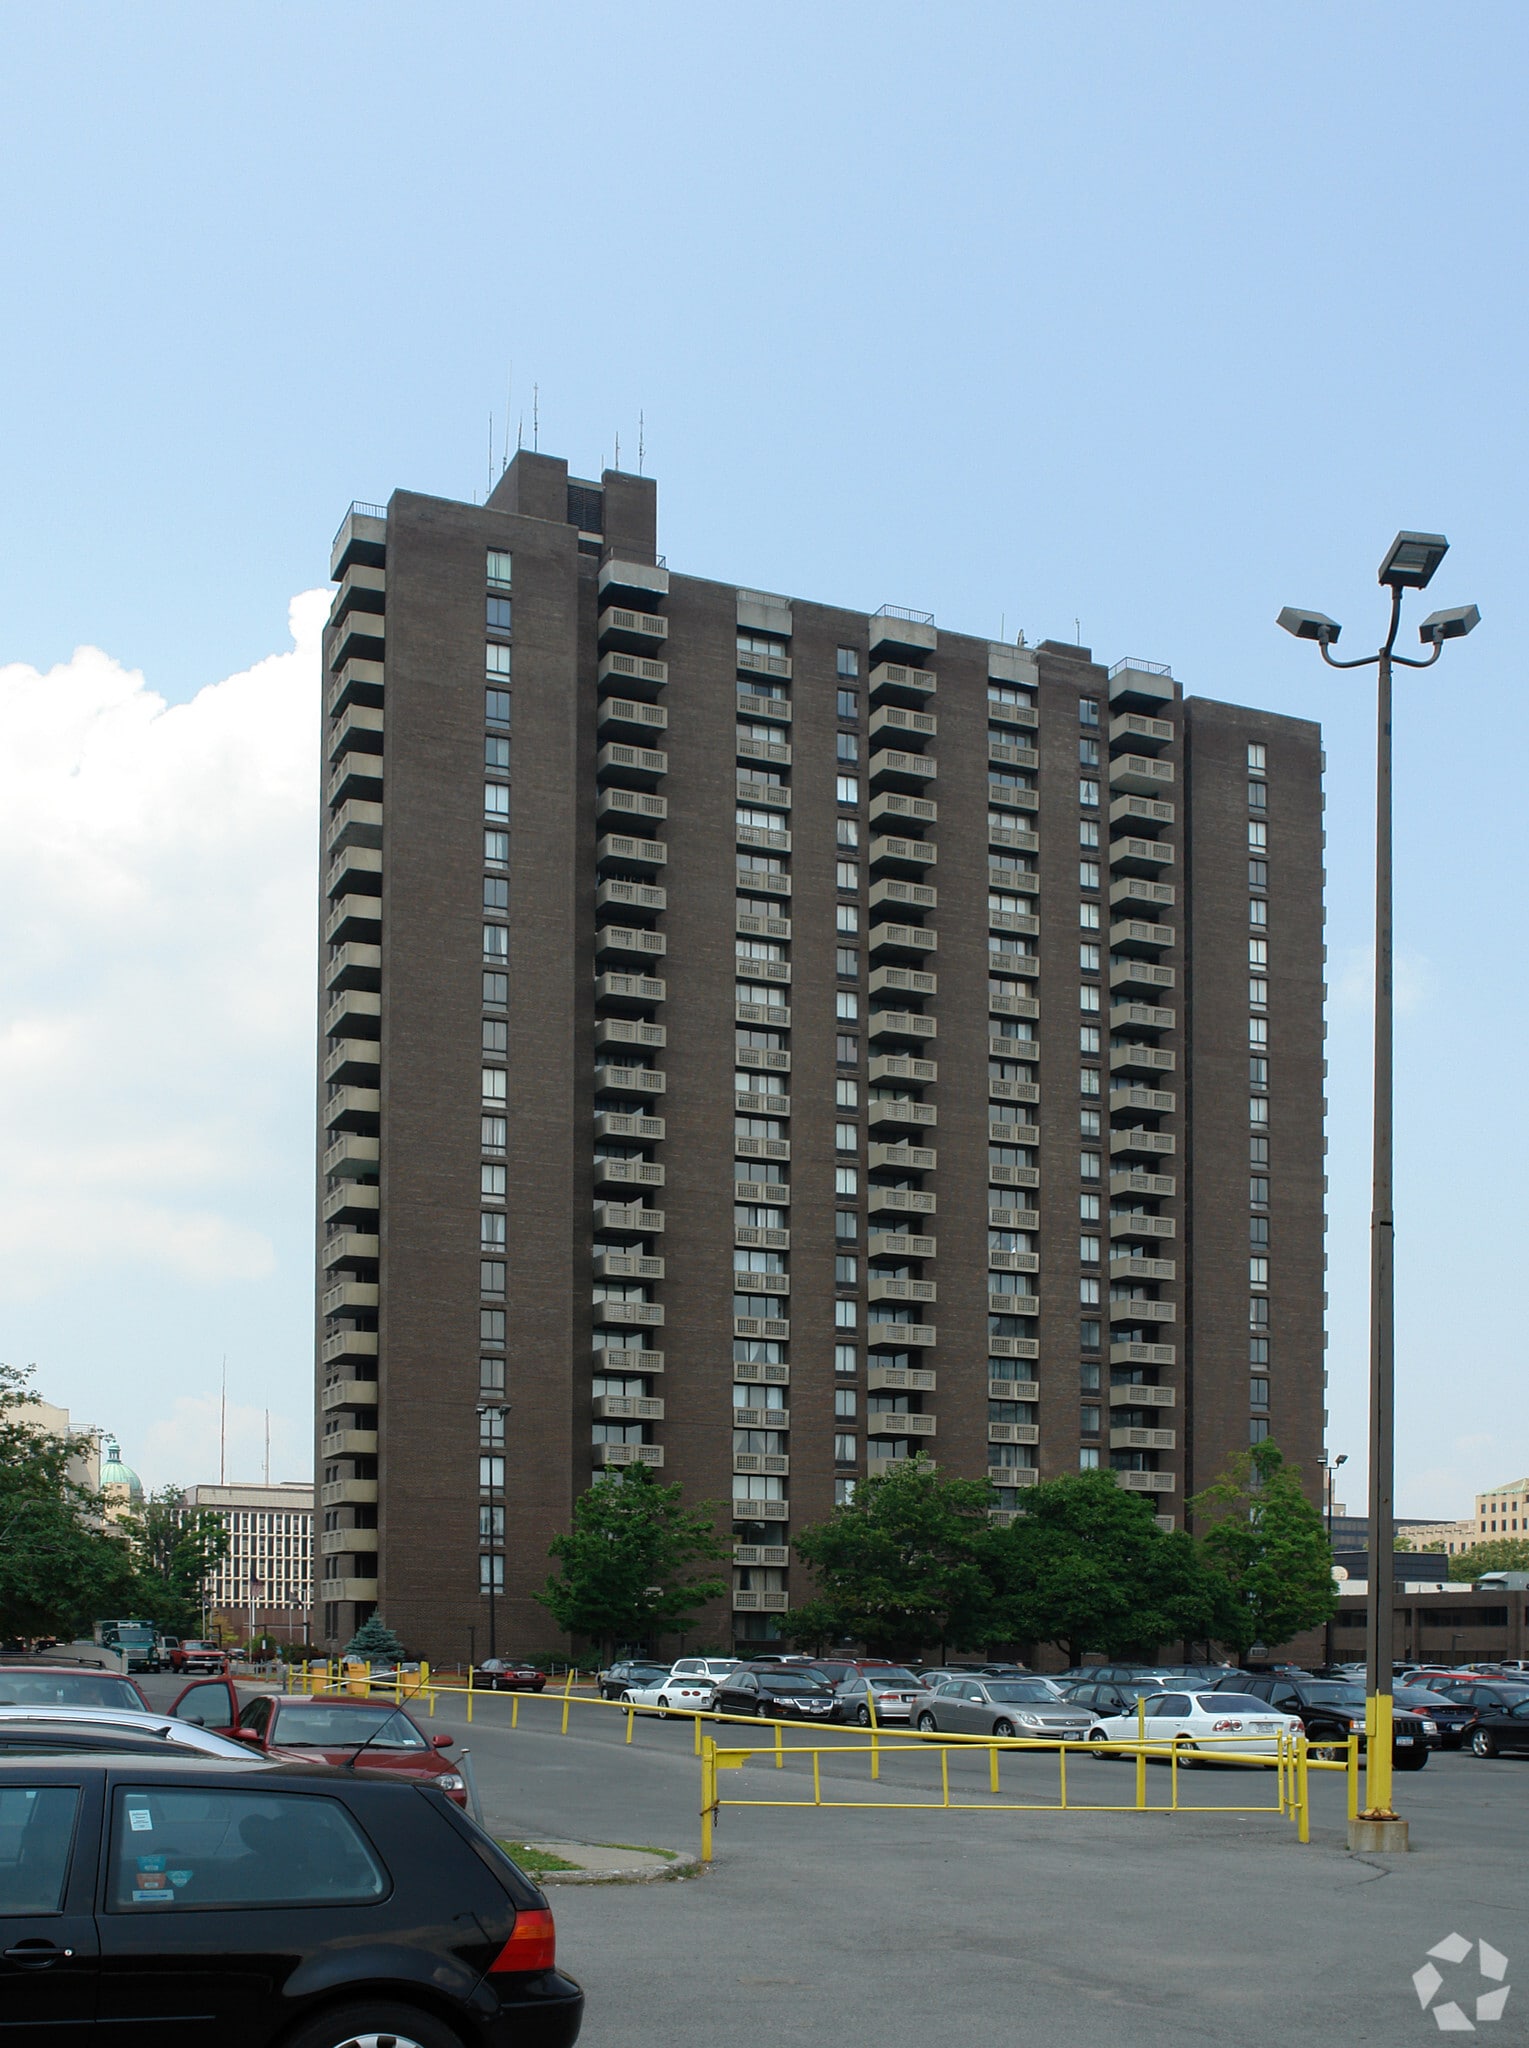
x: 496, y: 658
x: 1088, y: 958
x: 1088, y: 1252
x: 1088, y: 1165
x: 496, y: 707
x: 846, y: 1138
x: 1088, y: 1292
x: 250, y: 1848
x: 495, y: 1084
x: 491, y: 1374
x: 1088, y: 1208
x: 1088, y: 790
x: 496, y: 753
x: 1258, y: 1151
x: 1088, y: 999
x: 1258, y: 1428
x: 847, y: 1006
x: 846, y: 1315
x: 844, y: 1358
x: 847, y: 918
x: 1088, y: 1458
x: 849, y: 704
x: 496, y: 800
x: 847, y: 789
x: 1258, y: 1073
x: 1258, y: 1188
x: 847, y: 963
x: 1088, y: 1080
x: 1088, y: 1038
x: 491, y: 1276
x: 1258, y: 1272
x: 491, y: 1229
x: 1088, y: 832
x: 1258, y: 991
x: 491, y: 1325
x: 1258, y: 1311
x: 1088, y: 916
x: 1088, y: 874
x: 496, y: 942
x: 847, y: 833
x: 1258, y: 1231
x: 846, y: 1271
x: 1258, y: 796
x: 1257, y: 757
x: 847, y: 663
x: 847, y: 1094
x: 1258, y: 1109
x: 844, y: 1449
x: 496, y: 991
x: 846, y: 1180
x: 491, y: 1474
x: 844, y: 1492
x: 847, y: 748
x: 1258, y: 1393
x: 1258, y: 952
x: 1258, y: 910
x: 847, y: 1051
x: 1258, y: 1351
x: 496, y: 614
x: 1258, y: 1031
x: 1088, y: 753
x: 36, y: 1832
x: 496, y: 848
x: 1088, y: 1123
x: 491, y: 1427
x: 490, y: 1570
x: 845, y: 1400
x: 1088, y: 1420
x: 848, y: 874
x: 496, y: 893
x: 1258, y: 874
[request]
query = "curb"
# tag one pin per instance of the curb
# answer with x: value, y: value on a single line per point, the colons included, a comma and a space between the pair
x: 643, y: 1868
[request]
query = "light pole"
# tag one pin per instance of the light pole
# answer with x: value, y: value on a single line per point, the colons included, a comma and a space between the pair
x: 1409, y: 564
x: 1330, y: 1473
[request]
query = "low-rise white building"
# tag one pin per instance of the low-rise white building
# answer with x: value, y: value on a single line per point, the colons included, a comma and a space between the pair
x: 270, y: 1555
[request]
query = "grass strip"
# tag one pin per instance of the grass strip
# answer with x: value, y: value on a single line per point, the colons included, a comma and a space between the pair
x: 533, y: 1861
x: 643, y: 1849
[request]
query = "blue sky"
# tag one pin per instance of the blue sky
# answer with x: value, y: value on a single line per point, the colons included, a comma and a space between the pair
x: 1155, y: 318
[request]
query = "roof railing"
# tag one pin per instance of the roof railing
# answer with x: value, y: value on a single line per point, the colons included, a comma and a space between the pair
x: 1144, y: 668
x: 364, y: 511
x: 901, y: 611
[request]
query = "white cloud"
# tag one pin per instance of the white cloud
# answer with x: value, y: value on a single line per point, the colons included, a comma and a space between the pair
x: 157, y: 907
x: 1354, y: 982
x: 186, y: 1441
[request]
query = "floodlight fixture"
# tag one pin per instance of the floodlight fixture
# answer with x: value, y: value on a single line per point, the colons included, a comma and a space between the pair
x: 1309, y: 625
x: 1449, y: 625
x: 1411, y: 560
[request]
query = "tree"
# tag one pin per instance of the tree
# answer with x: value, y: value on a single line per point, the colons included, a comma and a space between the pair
x: 61, y: 1567
x: 625, y: 1566
x: 175, y: 1549
x: 374, y: 1641
x: 1266, y: 1550
x: 904, y: 1564
x: 1497, y: 1554
x: 1087, y: 1568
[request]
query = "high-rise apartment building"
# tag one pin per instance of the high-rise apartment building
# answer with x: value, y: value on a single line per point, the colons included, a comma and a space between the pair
x: 763, y: 1041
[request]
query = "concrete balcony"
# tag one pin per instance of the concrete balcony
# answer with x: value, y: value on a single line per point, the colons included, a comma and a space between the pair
x: 1138, y: 734
x: 1141, y: 811
x: 900, y: 1336
x: 898, y: 1244
x: 1142, y: 1059
x: 770, y: 1328
x: 771, y: 795
x: 762, y: 1105
x: 354, y: 966
x: 628, y: 1173
x: 358, y: 729
x: 1142, y: 1144
x: 1146, y: 975
x: 350, y: 1298
x: 354, y: 1060
x: 760, y: 884
x: 772, y: 753
x: 348, y: 1394
x: 647, y: 897
x: 1012, y: 837
x: 363, y: 588
x: 627, y: 1408
x: 1012, y: 754
x: 776, y: 1015
x: 1141, y: 1017
x: 1011, y: 960
x: 761, y: 1510
x: 632, y: 1080
x: 1013, y: 1390
x: 614, y: 1265
x: 638, y: 632
x: 778, y: 1554
x: 348, y: 1590
x: 638, y: 1031
x: 762, y: 1148
x: 904, y: 632
x: 775, y: 1463
x: 351, y: 1199
x: 907, y: 981
x: 900, y: 1067
x: 761, y: 1418
x: 1142, y: 1354
x: 352, y: 1157
x: 1015, y: 880
x: 362, y: 538
x: 354, y: 824
x: 348, y: 1493
x: 626, y: 850
x: 1138, y: 935
x: 1133, y: 1309
x: 1141, y: 775
x: 1017, y: 922
x: 776, y: 666
x: 1027, y: 1092
x: 1004, y: 796
x: 348, y: 1443
x: 754, y: 924
x: 1013, y: 1006
x: 349, y: 1543
x: 347, y: 1345
x: 631, y: 1217
x: 1136, y: 893
x: 886, y: 1158
x: 635, y: 942
x: 358, y: 682
x: 1014, y: 1347
x: 762, y: 838
x: 1012, y: 1475
x: 895, y: 805
x: 894, y: 1024
x: 606, y: 1457
x: 760, y: 1237
x: 1156, y: 1101
x: 629, y: 718
x: 1139, y: 856
x: 1013, y: 1262
x: 899, y: 1201
x: 1014, y: 1219
x: 1007, y: 1131
x: 1133, y: 1268
x: 913, y: 940
x: 350, y: 1248
x: 896, y: 1422
x: 1013, y: 1433
x: 1013, y: 1304
x: 1143, y: 1226
x: 917, y: 855
x: 1143, y: 1439
x: 353, y: 1109
x: 895, y: 721
x: 893, y: 768
x: 355, y: 775
x: 613, y: 805
x: 1146, y: 1482
x: 632, y: 767
x: 1014, y: 1176
x: 1139, y: 1182
x: 639, y: 583
x: 752, y: 705
x: 761, y: 1603
x: 885, y: 1288
x: 901, y: 1116
x: 896, y: 682
x: 625, y: 1358
x: 756, y: 1374
x: 1143, y: 1397
x: 358, y: 636
x: 635, y: 675
x: 354, y: 918
x: 625, y: 990
x: 889, y: 892
x: 766, y: 1059
x: 895, y: 1379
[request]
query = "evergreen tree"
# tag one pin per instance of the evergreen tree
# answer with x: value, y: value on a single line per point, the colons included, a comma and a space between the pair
x: 1267, y: 1551
x: 375, y: 1643
x: 625, y: 1569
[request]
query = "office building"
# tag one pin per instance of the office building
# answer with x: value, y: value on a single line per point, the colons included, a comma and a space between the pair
x: 267, y: 1570
x: 762, y: 1040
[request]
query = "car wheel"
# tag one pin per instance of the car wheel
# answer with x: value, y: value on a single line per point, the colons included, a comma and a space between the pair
x: 1484, y: 1742
x: 375, y: 2026
x: 1413, y: 1761
x: 1004, y: 1728
x: 1098, y: 1736
x: 663, y: 1706
x: 927, y: 1725
x: 762, y: 1710
x: 863, y: 1716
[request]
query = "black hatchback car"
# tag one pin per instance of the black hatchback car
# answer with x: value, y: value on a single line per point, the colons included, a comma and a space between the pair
x: 176, y: 1900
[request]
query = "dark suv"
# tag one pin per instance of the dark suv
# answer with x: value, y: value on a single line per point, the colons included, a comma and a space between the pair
x: 164, y: 1900
x: 1331, y: 1711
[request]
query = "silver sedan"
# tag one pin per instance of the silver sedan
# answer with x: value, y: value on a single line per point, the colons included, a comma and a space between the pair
x: 1004, y: 1706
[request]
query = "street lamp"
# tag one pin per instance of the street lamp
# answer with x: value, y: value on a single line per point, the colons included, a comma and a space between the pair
x: 1330, y: 1473
x: 1409, y: 564
x: 491, y: 1446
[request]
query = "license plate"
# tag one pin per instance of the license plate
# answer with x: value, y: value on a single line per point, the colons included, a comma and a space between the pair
x: 1266, y: 1727
x: 1404, y: 1742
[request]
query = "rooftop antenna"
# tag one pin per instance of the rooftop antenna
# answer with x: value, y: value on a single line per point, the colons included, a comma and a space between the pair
x: 223, y: 1427
x: 489, y: 485
x: 618, y: 452
x: 268, y: 1447
x: 536, y: 417
x: 641, y: 441
x: 1003, y: 625
x: 1077, y: 633
x: 509, y: 396
x: 520, y: 433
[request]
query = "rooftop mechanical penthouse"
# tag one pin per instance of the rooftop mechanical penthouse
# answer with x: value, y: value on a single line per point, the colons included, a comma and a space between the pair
x: 763, y: 1041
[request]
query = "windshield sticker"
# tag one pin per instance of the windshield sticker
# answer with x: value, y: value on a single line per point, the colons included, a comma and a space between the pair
x: 151, y: 1862
x: 180, y: 1877
x: 164, y: 1898
x: 140, y: 1820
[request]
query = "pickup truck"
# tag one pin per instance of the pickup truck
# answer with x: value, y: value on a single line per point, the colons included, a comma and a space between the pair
x: 198, y: 1656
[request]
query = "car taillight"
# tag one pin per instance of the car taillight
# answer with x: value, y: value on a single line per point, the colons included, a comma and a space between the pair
x: 532, y: 1944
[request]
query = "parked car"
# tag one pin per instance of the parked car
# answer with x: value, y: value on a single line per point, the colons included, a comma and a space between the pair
x: 1206, y: 1720
x: 1499, y: 1730
x: 1002, y: 1706
x: 894, y: 1691
x: 632, y: 1671
x: 339, y: 1908
x: 839, y: 1670
x: 1448, y: 1716
x: 776, y: 1693
x: 1479, y: 1694
x: 1330, y: 1712
x: 686, y: 1695
x: 714, y: 1668
x: 363, y: 1735
x: 198, y: 1654
x: 53, y: 1729
x: 1109, y: 1696
x: 510, y: 1674
x: 67, y: 1685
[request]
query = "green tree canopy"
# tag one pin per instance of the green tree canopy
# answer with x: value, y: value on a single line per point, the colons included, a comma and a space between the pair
x: 1267, y: 1552
x: 625, y: 1568
x: 904, y: 1564
x: 174, y: 1551
x: 61, y: 1566
x: 1087, y: 1568
x: 374, y: 1642
x: 1497, y: 1554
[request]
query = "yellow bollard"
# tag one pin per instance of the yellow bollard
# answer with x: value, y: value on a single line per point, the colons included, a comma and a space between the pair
x: 695, y: 1721
x: 631, y: 1716
x: 1353, y: 1777
x: 514, y: 1709
x: 469, y: 1693
x: 993, y: 1773
x: 817, y: 1778
x: 708, y: 1795
x: 1061, y: 1757
x: 567, y: 1696
x: 1302, y: 1791
x: 780, y: 1760
x: 945, y: 1775
x: 870, y: 1702
x: 1141, y: 1755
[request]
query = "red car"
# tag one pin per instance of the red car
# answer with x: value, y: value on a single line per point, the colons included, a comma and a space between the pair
x: 68, y: 1685
x: 198, y: 1656
x: 333, y: 1727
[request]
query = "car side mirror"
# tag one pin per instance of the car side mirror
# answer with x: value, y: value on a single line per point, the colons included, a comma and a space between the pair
x: 247, y: 1735
x: 440, y: 1742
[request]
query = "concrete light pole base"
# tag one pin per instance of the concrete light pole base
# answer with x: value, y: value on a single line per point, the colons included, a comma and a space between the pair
x: 1378, y: 1837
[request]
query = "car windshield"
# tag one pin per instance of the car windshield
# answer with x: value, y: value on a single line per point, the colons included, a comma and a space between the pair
x: 794, y: 1685
x: 1231, y: 1703
x: 892, y: 1677
x: 343, y: 1727
x: 1419, y: 1696
x: 67, y: 1689
x: 1010, y: 1689
x: 1334, y: 1694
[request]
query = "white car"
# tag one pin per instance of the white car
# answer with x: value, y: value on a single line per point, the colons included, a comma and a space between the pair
x: 1208, y: 1721
x: 684, y: 1694
x: 714, y: 1668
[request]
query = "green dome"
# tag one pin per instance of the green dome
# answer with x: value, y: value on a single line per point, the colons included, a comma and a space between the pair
x: 115, y: 1473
